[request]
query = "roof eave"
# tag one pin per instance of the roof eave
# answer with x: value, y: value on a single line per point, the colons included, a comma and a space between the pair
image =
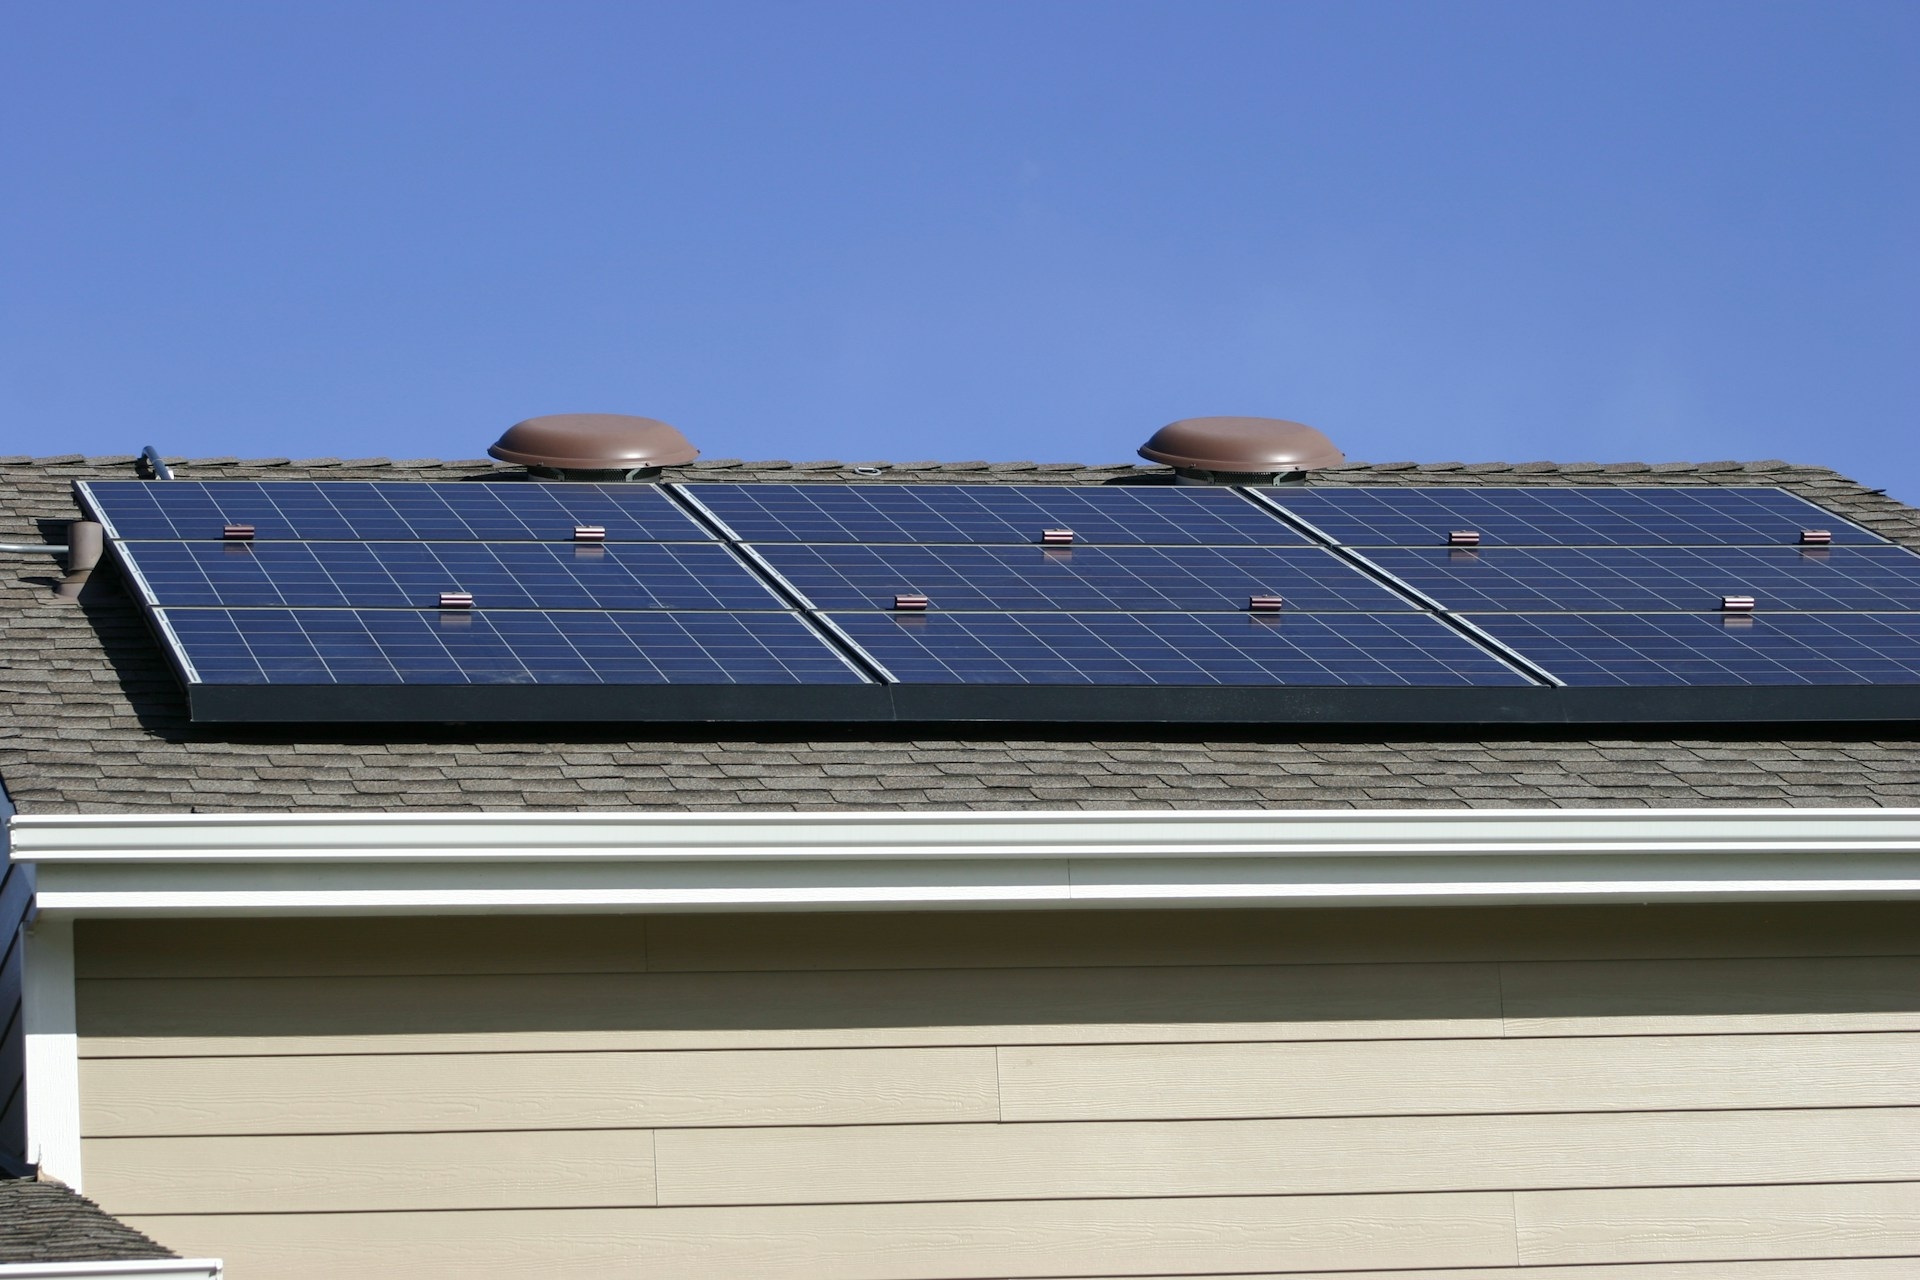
x: 350, y: 864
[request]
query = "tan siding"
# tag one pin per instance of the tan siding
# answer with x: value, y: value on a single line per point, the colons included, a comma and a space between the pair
x: 1648, y: 997
x: 376, y: 945
x: 1659, y: 1093
x: 785, y: 1010
x: 372, y: 1172
x: 1284, y: 1157
x: 1672, y: 1224
x: 1788, y: 1269
x: 1204, y: 1081
x: 388, y: 1093
x: 870, y: 1242
x: 985, y: 939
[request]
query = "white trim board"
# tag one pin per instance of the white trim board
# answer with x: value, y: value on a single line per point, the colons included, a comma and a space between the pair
x: 183, y: 1268
x: 324, y: 864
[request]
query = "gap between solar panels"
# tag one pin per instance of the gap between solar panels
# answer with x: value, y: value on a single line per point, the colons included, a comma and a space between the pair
x: 345, y: 601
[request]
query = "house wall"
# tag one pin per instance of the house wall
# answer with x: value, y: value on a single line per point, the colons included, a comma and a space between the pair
x: 1618, y: 1092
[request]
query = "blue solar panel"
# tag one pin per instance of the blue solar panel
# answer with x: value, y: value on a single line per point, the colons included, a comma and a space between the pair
x: 997, y: 513
x: 1185, y: 579
x: 399, y: 575
x: 1564, y: 515
x: 1648, y: 579
x: 1658, y: 649
x: 1599, y: 586
x: 1172, y: 649
x: 396, y: 646
x: 367, y: 511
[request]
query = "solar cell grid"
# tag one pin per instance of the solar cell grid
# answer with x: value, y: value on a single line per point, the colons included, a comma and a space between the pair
x: 998, y: 513
x: 1080, y: 579
x: 1173, y: 649
x: 1683, y: 649
x: 394, y: 646
x: 1564, y: 515
x: 500, y: 575
x: 366, y: 511
x: 1643, y: 579
x: 1154, y: 586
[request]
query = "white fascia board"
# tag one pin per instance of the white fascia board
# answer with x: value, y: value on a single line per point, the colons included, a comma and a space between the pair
x: 352, y: 863
x: 131, y: 1269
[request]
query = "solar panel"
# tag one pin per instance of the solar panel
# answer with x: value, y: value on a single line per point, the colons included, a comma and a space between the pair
x: 998, y: 513
x: 1646, y: 579
x: 1076, y: 579
x: 403, y: 575
x: 1172, y: 649
x: 397, y: 646
x: 351, y: 601
x: 1563, y: 515
x: 1669, y: 649
x: 368, y: 511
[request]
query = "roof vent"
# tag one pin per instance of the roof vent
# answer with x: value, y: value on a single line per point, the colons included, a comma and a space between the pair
x: 593, y: 446
x: 1240, y: 450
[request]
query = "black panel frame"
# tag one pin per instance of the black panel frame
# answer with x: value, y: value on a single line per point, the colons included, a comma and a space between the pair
x: 1046, y: 704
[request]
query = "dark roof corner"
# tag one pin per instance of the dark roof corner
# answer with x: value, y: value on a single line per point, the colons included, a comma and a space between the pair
x: 50, y: 1222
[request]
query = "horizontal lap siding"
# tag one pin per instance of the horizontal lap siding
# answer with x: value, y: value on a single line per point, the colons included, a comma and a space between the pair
x: 1616, y: 1093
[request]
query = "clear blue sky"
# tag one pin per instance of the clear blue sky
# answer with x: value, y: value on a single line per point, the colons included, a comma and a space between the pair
x: 1476, y: 231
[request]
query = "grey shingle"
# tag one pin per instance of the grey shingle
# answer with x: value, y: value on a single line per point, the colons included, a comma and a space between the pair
x: 92, y: 721
x: 50, y: 1222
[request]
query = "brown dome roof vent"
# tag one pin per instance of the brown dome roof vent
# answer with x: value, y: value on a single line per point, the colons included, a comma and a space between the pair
x: 1240, y: 450
x: 593, y: 446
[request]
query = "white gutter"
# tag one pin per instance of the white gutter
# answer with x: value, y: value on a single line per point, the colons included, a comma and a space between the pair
x: 158, y: 865
x: 182, y: 1268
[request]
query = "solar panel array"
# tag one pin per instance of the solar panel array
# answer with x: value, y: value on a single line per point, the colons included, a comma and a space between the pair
x: 1501, y: 598
x: 1644, y: 587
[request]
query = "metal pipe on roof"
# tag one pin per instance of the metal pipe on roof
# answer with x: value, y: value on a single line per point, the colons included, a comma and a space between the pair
x: 156, y: 464
x: 86, y: 543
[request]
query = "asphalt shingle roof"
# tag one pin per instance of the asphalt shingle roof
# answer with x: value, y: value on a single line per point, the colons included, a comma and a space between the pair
x: 91, y: 720
x: 51, y: 1222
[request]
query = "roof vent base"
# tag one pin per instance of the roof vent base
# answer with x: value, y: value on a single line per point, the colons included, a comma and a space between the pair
x: 603, y: 447
x: 1194, y: 475
x: 1241, y: 450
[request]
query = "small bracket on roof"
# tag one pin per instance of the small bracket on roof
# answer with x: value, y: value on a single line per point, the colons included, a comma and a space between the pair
x: 1056, y: 537
x: 912, y: 603
x: 456, y: 599
x: 1463, y: 538
x: 589, y: 533
x: 1736, y: 604
x: 237, y: 533
x: 1816, y: 537
x: 1264, y: 604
